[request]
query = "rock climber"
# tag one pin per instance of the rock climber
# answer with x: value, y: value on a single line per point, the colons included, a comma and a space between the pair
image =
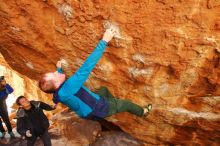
x: 85, y: 103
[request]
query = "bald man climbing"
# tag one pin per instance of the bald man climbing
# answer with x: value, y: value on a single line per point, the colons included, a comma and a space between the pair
x: 86, y: 104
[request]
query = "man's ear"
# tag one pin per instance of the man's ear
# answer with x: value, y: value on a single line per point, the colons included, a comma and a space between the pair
x: 56, y: 83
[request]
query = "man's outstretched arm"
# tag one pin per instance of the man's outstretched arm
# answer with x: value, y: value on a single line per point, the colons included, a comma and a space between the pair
x: 73, y: 84
x: 47, y: 106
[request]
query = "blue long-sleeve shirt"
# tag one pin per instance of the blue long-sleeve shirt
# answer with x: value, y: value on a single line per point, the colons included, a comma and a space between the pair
x: 4, y: 93
x: 68, y: 92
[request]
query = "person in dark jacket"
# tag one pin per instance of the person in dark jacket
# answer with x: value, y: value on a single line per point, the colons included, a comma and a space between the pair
x: 32, y: 122
x: 5, y: 90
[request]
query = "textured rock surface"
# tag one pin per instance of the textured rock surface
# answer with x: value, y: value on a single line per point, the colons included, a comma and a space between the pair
x: 116, y: 139
x: 167, y: 52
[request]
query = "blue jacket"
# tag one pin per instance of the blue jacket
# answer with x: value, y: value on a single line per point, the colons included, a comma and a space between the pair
x: 76, y: 96
x: 4, y: 93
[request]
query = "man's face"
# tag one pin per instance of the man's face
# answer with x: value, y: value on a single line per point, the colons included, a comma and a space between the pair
x: 24, y: 102
x: 48, y: 81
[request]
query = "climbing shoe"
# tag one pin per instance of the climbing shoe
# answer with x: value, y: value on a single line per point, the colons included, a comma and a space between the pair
x: 147, y: 110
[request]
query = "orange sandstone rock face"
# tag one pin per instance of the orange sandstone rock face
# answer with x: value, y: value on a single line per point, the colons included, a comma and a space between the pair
x: 166, y: 52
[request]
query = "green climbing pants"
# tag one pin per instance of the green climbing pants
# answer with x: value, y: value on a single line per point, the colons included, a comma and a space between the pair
x: 117, y: 105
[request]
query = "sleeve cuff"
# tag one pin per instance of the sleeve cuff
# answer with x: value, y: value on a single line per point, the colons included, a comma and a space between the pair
x: 59, y: 70
x: 104, y: 42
